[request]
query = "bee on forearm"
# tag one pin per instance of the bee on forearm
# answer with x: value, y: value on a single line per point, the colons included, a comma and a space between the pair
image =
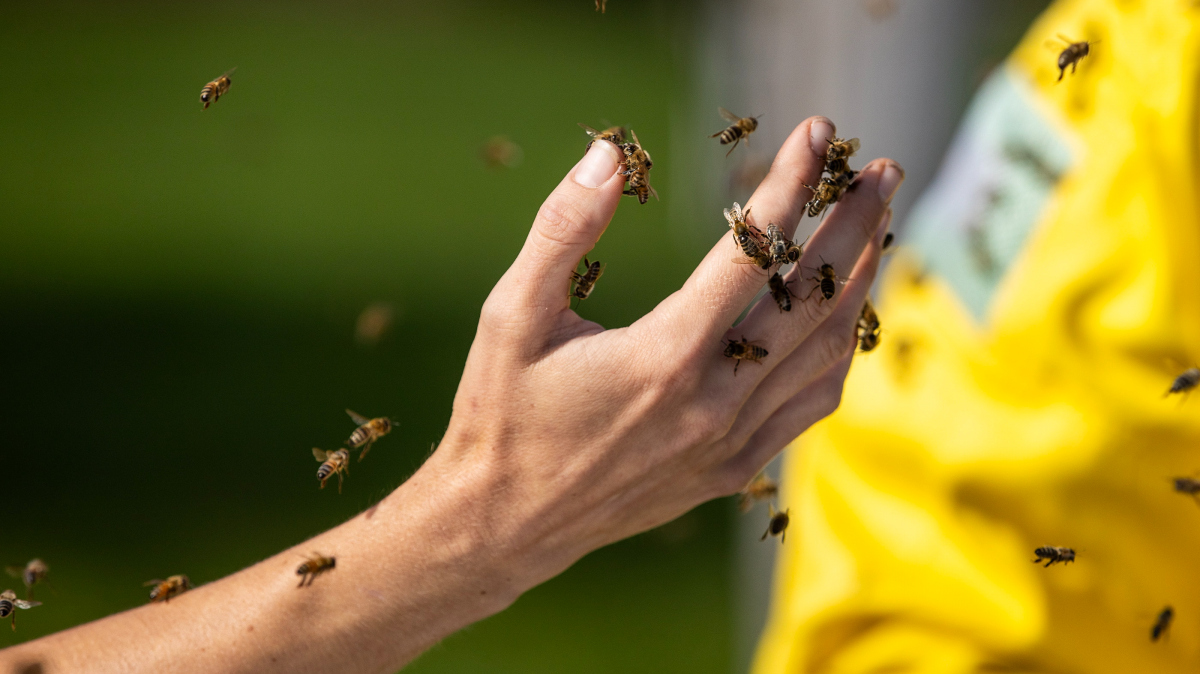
x: 1053, y: 555
x: 1071, y: 55
x: 839, y: 153
x: 826, y: 281
x: 778, y: 524
x: 1162, y: 624
x: 741, y: 128
x: 613, y: 134
x: 368, y: 431
x: 743, y: 350
x: 760, y: 488
x: 637, y: 168
x: 214, y: 90
x: 750, y: 240
x: 9, y: 605
x: 781, y: 292
x: 1185, y: 382
x: 164, y: 590
x: 31, y: 574
x: 333, y: 461
x: 314, y: 566
x: 584, y: 283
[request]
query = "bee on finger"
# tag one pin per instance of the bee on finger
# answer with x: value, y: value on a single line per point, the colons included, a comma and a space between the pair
x: 777, y: 244
x: 164, y: 590
x: 9, y: 605
x: 314, y: 566
x: 31, y: 574
x: 613, y: 134
x: 1162, y: 624
x: 584, y: 283
x: 741, y: 128
x: 1185, y: 382
x: 368, y: 431
x: 761, y: 488
x: 743, y: 350
x: 777, y: 525
x: 214, y: 90
x: 824, y: 194
x: 637, y: 169
x: 1053, y: 555
x: 826, y: 281
x: 867, y: 327
x: 839, y: 153
x: 333, y: 461
x: 781, y: 292
x: 1071, y: 55
x: 750, y: 240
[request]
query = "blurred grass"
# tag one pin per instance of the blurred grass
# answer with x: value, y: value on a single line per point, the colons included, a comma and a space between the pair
x: 178, y: 288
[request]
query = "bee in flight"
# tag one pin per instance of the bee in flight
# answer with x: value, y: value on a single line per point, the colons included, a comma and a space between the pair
x: 368, y: 431
x: 315, y: 566
x: 886, y: 246
x: 9, y: 605
x: 1070, y: 55
x: 778, y: 524
x: 1187, y: 485
x: 214, y: 90
x: 743, y: 350
x: 163, y: 590
x: 826, y: 280
x: 750, y: 239
x: 1162, y: 623
x: 741, y: 128
x: 334, y: 461
x: 501, y: 153
x: 1185, y: 382
x: 838, y: 155
x: 584, y: 283
x: 31, y: 574
x: 1054, y: 555
x: 760, y: 488
x: 868, y: 327
x: 781, y: 292
x: 637, y: 168
x: 613, y: 134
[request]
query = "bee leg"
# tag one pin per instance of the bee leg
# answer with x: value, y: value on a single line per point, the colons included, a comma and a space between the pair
x: 1047, y: 565
x: 765, y: 533
x: 736, y: 363
x: 366, y: 448
x: 1076, y: 63
x: 303, y: 577
x: 339, y: 483
x: 735, y: 144
x: 783, y: 537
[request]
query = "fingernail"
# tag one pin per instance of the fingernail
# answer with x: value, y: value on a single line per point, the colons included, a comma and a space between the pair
x: 598, y: 165
x: 819, y: 133
x: 889, y: 181
x: 884, y: 223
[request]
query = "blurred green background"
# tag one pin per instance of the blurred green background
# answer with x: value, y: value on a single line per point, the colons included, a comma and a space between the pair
x: 179, y: 288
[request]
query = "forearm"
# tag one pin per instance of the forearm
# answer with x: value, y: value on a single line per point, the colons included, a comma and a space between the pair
x: 410, y: 571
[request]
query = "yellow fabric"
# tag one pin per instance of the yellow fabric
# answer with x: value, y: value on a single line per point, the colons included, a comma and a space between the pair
x: 968, y: 439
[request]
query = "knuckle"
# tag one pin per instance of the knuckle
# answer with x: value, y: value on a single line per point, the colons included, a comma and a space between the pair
x: 731, y: 479
x: 498, y: 314
x: 829, y: 398
x: 561, y: 221
x: 833, y: 345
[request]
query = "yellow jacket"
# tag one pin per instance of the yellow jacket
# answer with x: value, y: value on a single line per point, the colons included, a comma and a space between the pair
x: 1048, y: 295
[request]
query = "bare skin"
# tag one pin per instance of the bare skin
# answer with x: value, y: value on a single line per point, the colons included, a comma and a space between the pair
x: 564, y: 437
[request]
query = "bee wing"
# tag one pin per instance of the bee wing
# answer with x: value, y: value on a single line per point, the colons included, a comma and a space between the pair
x: 358, y: 418
x: 321, y: 455
x: 21, y: 603
x: 653, y: 193
x: 728, y: 115
x: 156, y: 581
x: 633, y: 135
x: 1066, y: 39
x: 590, y: 131
x: 15, y: 571
x: 229, y: 72
x: 854, y: 145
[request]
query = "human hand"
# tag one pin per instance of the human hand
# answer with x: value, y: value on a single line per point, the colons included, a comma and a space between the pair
x: 576, y: 436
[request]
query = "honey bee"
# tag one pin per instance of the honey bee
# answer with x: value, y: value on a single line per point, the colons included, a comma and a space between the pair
x: 637, y: 168
x: 868, y: 327
x: 781, y: 292
x: 749, y: 239
x: 1185, y: 382
x: 743, y: 350
x: 1162, y: 623
x: 1054, y: 554
x: 214, y: 90
x: 741, y: 128
x: 888, y: 240
x: 1189, y: 486
x: 777, y: 244
x: 827, y: 281
x: 824, y: 194
x: 9, y: 605
x: 760, y: 488
x: 778, y: 524
x: 368, y: 431
x: 314, y: 566
x: 613, y: 134
x: 31, y: 574
x: 839, y: 152
x: 1071, y: 55
x: 334, y: 461
x: 163, y: 590
x: 584, y: 283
